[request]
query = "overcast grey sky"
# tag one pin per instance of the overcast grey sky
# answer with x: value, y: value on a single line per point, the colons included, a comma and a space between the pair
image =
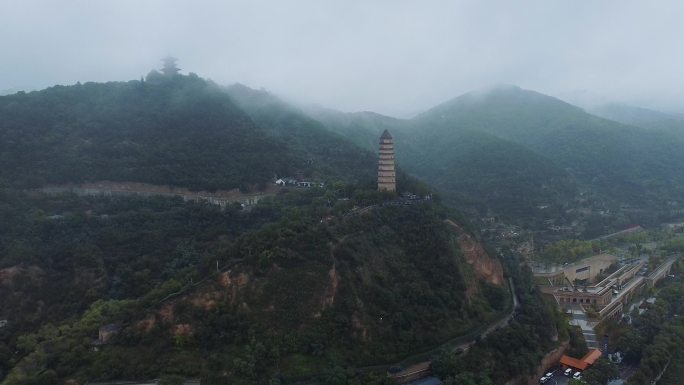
x: 394, y: 57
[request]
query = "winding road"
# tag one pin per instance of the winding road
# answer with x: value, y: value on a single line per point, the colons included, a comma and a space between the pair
x: 464, y: 347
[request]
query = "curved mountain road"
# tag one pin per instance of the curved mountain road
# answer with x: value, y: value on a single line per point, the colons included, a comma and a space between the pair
x: 423, y: 357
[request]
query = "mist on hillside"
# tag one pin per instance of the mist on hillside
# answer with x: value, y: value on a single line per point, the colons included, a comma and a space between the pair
x: 395, y: 58
x: 341, y: 193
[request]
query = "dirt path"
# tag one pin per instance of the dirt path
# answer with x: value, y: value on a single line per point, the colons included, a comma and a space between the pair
x: 107, y: 188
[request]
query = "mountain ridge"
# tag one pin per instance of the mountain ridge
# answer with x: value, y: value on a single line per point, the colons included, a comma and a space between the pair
x: 577, y: 156
x: 181, y: 131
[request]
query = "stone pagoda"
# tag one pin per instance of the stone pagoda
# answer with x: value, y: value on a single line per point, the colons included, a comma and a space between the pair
x: 386, y: 174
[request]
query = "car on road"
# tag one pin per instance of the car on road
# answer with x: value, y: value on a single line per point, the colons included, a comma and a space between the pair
x: 546, y: 377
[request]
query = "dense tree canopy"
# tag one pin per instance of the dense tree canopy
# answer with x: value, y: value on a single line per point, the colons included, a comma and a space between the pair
x: 323, y: 284
x: 169, y: 130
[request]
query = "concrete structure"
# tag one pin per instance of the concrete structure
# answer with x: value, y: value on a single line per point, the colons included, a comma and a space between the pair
x: 609, y: 296
x: 585, y: 270
x: 582, y: 296
x: 660, y: 272
x: 386, y: 173
x: 600, y: 294
x: 630, y: 289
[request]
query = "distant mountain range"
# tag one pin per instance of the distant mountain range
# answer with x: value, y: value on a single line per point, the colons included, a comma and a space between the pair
x: 503, y: 150
x: 513, y: 150
x: 309, y: 277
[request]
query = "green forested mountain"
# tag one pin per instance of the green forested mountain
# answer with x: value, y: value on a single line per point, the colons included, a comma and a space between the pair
x: 493, y: 173
x: 304, y: 283
x: 511, y: 150
x: 294, y: 293
x: 472, y: 168
x: 175, y: 130
x: 327, y: 152
x: 363, y: 128
x: 624, y: 163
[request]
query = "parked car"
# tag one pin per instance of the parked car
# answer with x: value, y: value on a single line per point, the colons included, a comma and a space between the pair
x: 568, y: 372
x: 577, y: 375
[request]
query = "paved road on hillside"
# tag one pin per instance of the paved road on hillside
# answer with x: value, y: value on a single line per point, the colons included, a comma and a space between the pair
x: 496, y: 325
x: 504, y: 322
x: 465, y: 345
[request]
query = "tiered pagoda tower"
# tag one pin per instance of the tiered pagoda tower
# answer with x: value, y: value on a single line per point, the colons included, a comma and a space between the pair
x: 386, y: 174
x: 170, y: 68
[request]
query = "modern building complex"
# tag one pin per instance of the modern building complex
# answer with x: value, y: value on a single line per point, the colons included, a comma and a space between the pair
x: 576, y: 284
x: 584, y: 271
x: 386, y: 173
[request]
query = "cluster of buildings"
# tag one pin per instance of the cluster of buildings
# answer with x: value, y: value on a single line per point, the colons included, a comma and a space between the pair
x: 575, y: 284
x: 293, y: 182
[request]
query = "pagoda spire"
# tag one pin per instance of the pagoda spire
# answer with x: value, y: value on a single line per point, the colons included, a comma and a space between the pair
x: 386, y: 173
x: 170, y: 68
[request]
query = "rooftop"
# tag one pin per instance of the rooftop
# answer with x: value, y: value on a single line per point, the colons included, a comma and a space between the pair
x: 573, y: 362
x: 592, y: 356
x: 584, y: 363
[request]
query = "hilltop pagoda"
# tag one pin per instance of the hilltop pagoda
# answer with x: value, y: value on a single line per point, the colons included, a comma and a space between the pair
x: 170, y: 68
x: 386, y: 174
